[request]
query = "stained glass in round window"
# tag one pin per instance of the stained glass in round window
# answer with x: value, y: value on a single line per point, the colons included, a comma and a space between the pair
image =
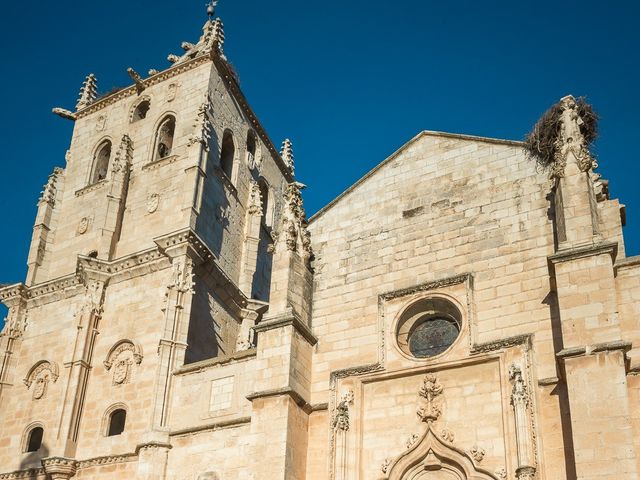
x: 432, y: 336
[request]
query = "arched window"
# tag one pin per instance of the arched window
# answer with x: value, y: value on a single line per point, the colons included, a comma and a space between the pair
x: 251, y: 149
x: 141, y: 111
x: 101, y: 162
x: 227, y: 154
x: 164, y: 138
x: 264, y: 195
x: 117, y: 420
x: 34, y: 439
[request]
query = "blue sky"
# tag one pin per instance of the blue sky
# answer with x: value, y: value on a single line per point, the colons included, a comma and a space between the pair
x: 349, y: 82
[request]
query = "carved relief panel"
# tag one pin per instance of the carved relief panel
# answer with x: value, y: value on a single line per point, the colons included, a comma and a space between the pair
x: 40, y: 376
x: 121, y: 359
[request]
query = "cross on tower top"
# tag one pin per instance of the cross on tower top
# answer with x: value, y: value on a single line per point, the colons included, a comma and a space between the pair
x: 211, y: 8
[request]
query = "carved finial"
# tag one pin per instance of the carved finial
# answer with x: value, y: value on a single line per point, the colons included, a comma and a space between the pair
x: 88, y: 92
x: 294, y: 223
x: 122, y: 160
x: 186, y: 46
x: 64, y: 113
x: 173, y: 58
x: 135, y: 76
x: 153, y: 71
x: 286, y: 152
x: 48, y: 193
x: 569, y: 126
x: 217, y: 35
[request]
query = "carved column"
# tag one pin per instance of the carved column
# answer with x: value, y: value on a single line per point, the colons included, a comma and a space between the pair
x: 251, y: 239
x: 341, y: 427
x: 116, y: 198
x: 11, y: 336
x: 173, y: 343
x: 520, y: 402
x: 42, y: 226
x: 152, y: 459
x: 88, y: 318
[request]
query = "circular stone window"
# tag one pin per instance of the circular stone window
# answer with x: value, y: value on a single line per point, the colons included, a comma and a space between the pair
x: 428, y: 327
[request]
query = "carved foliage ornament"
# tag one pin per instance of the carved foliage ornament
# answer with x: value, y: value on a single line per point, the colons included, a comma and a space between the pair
x: 429, y: 409
x: 293, y: 223
x: 122, y: 356
x: 519, y: 395
x: 341, y: 420
x: 203, y: 124
x: 50, y: 189
x: 39, y: 377
x: 255, y: 199
x: 15, y: 323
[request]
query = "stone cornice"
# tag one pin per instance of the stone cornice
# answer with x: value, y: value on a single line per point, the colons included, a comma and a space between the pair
x: 233, y: 423
x: 91, y: 188
x: 440, y: 283
x: 13, y: 293
x: 610, y: 248
x: 161, y: 162
x: 286, y: 319
x: 584, y: 350
x: 31, y: 474
x: 629, y: 262
x: 203, y: 365
x: 278, y: 392
x: 106, y: 460
x: 181, y: 241
x: 121, y: 268
x: 148, y: 82
x: 502, y: 343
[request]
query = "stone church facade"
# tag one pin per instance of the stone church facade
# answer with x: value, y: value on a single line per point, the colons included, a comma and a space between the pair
x: 456, y: 314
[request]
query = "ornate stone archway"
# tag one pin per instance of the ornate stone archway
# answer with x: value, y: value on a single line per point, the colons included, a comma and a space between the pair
x: 432, y: 458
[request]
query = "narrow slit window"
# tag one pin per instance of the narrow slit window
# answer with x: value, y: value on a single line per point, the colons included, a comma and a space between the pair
x: 227, y: 154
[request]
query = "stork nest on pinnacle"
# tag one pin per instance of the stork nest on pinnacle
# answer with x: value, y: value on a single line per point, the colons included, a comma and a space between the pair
x: 541, y: 143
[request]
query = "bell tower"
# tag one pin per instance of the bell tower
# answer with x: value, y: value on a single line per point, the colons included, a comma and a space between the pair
x: 152, y: 250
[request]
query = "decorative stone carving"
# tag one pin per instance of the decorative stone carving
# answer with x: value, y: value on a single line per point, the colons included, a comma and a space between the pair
x: 186, y: 46
x: 15, y: 323
x: 520, y: 401
x: 122, y: 356
x: 341, y: 420
x: 173, y: 58
x: 172, y: 91
x: 39, y: 377
x: 137, y: 79
x: 214, y: 37
x: 571, y: 140
x: 88, y: 92
x: 182, y: 277
x: 429, y: 410
x: 430, y: 452
x: 286, y: 152
x: 101, y: 122
x: 122, y: 158
x: 203, y: 125
x: 48, y: 194
x: 59, y: 468
x: 64, y: 113
x: 153, y: 201
x: 153, y: 71
x: 83, y: 225
x: 386, y: 464
x: 447, y: 435
x: 255, y: 199
x: 412, y: 440
x: 477, y: 453
x: 293, y: 223
x: 501, y: 473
